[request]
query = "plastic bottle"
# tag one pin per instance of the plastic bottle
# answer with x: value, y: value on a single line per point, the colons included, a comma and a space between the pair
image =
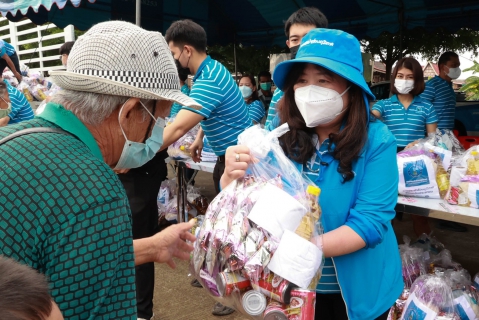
x: 307, y: 225
x: 442, y: 178
x: 473, y: 164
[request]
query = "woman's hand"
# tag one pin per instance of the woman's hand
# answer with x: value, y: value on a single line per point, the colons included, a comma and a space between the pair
x: 237, y: 159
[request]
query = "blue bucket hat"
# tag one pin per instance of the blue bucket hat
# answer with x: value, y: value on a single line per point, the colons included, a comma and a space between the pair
x: 334, y: 50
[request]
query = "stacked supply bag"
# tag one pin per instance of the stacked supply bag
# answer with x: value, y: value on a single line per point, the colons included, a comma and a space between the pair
x: 259, y: 248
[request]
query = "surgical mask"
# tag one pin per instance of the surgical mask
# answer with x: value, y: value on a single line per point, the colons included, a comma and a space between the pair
x: 404, y: 86
x: 265, y: 86
x: 6, y: 112
x: 136, y: 154
x: 318, y: 105
x: 293, y: 51
x: 246, y: 91
x: 454, y: 73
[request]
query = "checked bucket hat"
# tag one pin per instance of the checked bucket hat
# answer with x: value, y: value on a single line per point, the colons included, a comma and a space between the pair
x: 120, y: 58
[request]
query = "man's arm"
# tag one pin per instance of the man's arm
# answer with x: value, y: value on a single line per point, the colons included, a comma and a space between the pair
x: 185, y: 120
x: 12, y: 67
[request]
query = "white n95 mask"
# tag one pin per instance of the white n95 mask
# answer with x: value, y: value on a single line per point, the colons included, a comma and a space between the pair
x: 318, y: 105
x: 454, y: 73
x: 403, y: 86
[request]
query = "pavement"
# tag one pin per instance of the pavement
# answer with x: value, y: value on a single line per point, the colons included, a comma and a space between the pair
x: 176, y: 299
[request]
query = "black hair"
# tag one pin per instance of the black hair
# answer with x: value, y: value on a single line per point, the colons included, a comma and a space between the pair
x: 67, y: 47
x: 306, y: 16
x: 264, y: 73
x: 24, y: 292
x: 446, y: 56
x: 413, y: 65
x: 187, y: 32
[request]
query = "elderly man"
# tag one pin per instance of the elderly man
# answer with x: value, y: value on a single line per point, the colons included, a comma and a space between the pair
x: 14, y: 107
x: 64, y: 211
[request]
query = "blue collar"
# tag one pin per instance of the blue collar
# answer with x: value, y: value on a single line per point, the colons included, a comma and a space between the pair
x: 394, y: 98
x: 441, y: 79
x: 202, y: 65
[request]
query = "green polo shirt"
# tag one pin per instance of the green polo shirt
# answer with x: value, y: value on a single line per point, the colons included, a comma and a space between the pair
x: 65, y: 213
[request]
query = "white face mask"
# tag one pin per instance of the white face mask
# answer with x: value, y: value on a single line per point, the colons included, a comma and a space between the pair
x: 454, y: 73
x: 318, y: 105
x: 404, y: 86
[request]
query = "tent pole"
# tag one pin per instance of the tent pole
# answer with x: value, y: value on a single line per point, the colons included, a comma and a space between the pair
x: 138, y: 12
x: 234, y: 56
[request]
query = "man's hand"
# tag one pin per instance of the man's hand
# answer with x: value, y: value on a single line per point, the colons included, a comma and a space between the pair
x: 412, y: 144
x: 195, y: 150
x: 171, y: 242
x: 165, y: 245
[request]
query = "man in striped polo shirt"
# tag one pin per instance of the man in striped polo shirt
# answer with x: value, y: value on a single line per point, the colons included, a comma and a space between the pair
x: 223, y: 115
x: 9, y: 58
x: 439, y: 90
x: 14, y: 107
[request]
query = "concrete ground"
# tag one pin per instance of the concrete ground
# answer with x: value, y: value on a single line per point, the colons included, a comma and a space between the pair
x: 176, y: 299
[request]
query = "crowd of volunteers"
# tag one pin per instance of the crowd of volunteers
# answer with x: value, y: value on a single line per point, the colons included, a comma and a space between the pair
x: 80, y: 179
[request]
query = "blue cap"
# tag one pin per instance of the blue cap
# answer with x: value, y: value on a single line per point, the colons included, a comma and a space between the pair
x: 334, y: 50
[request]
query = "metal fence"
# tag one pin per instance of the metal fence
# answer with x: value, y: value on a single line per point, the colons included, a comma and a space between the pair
x: 40, y: 54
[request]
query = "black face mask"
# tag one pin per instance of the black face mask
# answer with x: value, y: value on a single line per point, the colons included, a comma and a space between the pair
x: 180, y: 69
x: 293, y: 51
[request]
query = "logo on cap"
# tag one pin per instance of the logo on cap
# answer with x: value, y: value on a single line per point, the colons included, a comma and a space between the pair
x: 321, y: 42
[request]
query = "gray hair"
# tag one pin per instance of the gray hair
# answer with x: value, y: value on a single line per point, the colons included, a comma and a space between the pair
x: 92, y: 108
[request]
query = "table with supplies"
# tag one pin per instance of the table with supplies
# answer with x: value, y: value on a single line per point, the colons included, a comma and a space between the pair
x: 439, y: 209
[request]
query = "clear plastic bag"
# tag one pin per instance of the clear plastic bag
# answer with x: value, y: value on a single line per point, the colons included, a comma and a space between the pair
x: 430, y: 298
x: 413, y: 262
x: 25, y: 89
x: 167, y: 201
x: 464, y: 293
x: 260, y: 244
x: 442, y: 262
x: 180, y: 149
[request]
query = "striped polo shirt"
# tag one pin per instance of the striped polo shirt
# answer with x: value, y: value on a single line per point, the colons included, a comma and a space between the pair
x: 7, y: 48
x: 224, y: 110
x: 21, y: 109
x: 176, y: 107
x: 409, y: 124
x: 440, y: 93
x: 277, y: 95
x: 256, y: 111
x: 329, y: 281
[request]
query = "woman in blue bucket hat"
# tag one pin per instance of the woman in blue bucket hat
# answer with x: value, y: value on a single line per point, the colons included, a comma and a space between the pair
x: 338, y: 144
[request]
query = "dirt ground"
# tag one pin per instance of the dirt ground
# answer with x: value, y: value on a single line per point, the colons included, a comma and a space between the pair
x: 176, y: 299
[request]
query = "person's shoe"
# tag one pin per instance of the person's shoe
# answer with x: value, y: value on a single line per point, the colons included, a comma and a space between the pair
x: 221, y: 310
x: 196, y: 283
x: 451, y: 226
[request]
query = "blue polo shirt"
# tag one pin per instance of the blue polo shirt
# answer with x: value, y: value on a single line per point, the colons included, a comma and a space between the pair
x: 223, y: 107
x: 7, y: 48
x: 176, y: 107
x: 256, y: 111
x: 21, y: 109
x: 277, y: 95
x: 409, y: 124
x: 440, y: 93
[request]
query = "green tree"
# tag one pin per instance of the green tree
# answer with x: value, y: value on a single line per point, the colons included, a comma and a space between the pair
x: 249, y: 59
x: 391, y: 47
x: 471, y: 85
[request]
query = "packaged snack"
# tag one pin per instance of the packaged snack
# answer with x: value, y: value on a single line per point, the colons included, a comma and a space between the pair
x: 180, y: 149
x: 470, y: 186
x: 38, y: 91
x: 25, y: 89
x: 465, y: 295
x: 413, y: 264
x: 254, y: 243
x: 456, y: 195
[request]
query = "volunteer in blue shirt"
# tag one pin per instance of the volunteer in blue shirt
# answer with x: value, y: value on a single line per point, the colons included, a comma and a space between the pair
x: 407, y: 115
x: 247, y: 86
x: 295, y: 28
x: 264, y: 89
x: 351, y: 156
x: 439, y: 89
x: 9, y: 58
x: 14, y: 107
x: 223, y: 115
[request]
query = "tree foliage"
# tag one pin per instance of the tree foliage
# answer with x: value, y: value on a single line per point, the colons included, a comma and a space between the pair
x: 391, y: 47
x: 250, y: 59
x: 471, y: 85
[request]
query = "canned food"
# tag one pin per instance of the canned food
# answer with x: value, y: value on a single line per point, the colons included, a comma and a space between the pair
x: 274, y: 287
x: 228, y: 282
x: 302, y: 304
x: 275, y: 311
x: 254, y: 302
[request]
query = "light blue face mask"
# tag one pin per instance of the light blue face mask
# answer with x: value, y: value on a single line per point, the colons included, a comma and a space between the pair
x: 246, y: 92
x: 136, y: 154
